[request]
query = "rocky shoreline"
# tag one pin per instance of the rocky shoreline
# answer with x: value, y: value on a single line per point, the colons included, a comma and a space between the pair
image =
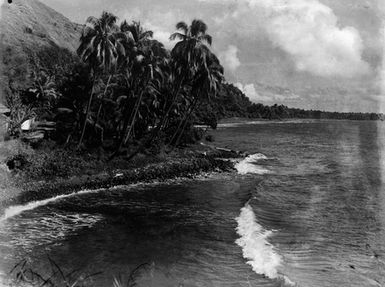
x: 214, y: 160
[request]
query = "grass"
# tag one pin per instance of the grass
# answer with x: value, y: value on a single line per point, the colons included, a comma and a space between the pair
x: 23, y: 273
x: 50, y: 161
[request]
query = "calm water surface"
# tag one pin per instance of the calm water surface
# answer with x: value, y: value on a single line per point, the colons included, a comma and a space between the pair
x: 307, y: 208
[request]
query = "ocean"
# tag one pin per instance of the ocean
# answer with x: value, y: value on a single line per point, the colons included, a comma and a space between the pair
x: 305, y: 208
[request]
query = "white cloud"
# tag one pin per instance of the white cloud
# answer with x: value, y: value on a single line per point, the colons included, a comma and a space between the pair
x: 285, y: 97
x: 162, y: 24
x: 307, y: 30
x: 250, y: 91
x: 265, y: 94
x: 381, y: 6
x: 229, y: 58
x: 160, y: 34
x: 133, y: 14
x: 218, y: 20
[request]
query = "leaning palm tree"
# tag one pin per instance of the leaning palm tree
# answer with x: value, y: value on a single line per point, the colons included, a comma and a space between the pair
x: 99, y: 49
x: 204, y: 86
x: 150, y: 73
x: 142, y: 72
x: 196, y: 63
x: 190, y: 54
x: 137, y: 69
x: 187, y: 57
x: 191, y: 50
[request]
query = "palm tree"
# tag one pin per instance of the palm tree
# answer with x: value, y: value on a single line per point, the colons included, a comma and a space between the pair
x: 205, y: 85
x: 195, y: 62
x: 142, y: 72
x: 138, y: 70
x: 99, y: 48
x: 150, y: 72
x: 187, y: 57
x: 190, y: 52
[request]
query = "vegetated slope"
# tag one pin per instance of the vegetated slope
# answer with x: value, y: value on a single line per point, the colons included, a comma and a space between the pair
x: 27, y: 27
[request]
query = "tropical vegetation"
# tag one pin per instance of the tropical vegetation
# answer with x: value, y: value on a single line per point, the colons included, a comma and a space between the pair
x: 125, y: 92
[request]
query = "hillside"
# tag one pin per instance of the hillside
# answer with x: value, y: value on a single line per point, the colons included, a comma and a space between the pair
x: 27, y: 27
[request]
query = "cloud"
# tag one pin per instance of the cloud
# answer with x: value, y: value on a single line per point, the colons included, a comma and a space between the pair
x: 381, y: 6
x: 308, y: 31
x: 250, y: 92
x: 285, y: 97
x: 382, y: 71
x: 161, y: 23
x: 265, y: 94
x: 229, y: 58
x: 160, y: 34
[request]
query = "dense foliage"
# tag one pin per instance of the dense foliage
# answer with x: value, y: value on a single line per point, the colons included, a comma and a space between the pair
x: 231, y: 102
x: 125, y: 92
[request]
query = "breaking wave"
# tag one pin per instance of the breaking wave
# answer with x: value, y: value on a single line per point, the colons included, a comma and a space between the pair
x: 253, y: 240
x: 262, y: 255
x: 249, y: 165
x: 18, y: 209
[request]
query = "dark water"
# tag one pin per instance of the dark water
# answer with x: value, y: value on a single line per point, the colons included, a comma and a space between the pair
x: 307, y: 209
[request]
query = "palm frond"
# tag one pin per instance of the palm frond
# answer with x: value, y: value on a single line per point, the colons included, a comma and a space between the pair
x: 198, y: 27
x: 182, y: 26
x: 206, y: 38
x: 92, y: 21
x: 178, y: 36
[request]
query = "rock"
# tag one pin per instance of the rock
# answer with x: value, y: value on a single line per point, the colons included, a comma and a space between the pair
x: 209, y: 138
x: 28, y: 30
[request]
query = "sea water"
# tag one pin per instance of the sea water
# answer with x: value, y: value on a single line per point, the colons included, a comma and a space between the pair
x: 305, y: 208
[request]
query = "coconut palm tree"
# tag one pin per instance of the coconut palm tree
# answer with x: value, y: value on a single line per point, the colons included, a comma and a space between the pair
x: 187, y: 57
x: 190, y: 54
x: 142, y: 71
x: 99, y: 47
x: 191, y: 50
x: 204, y: 86
x: 150, y: 72
x: 196, y: 63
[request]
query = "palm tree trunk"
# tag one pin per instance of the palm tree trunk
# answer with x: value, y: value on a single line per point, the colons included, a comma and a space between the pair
x: 159, y: 127
x: 183, y: 120
x: 124, y: 130
x: 184, y: 124
x: 126, y: 134
x: 101, y: 104
x: 134, y: 117
x: 87, y: 113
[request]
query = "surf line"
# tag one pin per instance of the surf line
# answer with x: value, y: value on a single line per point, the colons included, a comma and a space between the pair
x: 260, y: 254
x: 14, y: 210
x: 249, y: 165
x: 254, y: 244
x: 18, y: 209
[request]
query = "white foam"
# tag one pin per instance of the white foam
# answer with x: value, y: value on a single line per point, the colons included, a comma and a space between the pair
x: 18, y: 209
x: 248, y: 165
x: 253, y: 240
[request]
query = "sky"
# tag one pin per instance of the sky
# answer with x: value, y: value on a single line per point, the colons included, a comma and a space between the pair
x: 313, y: 54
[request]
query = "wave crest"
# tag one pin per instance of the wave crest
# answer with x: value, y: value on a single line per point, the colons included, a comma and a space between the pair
x: 253, y: 240
x: 18, y: 209
x: 248, y: 165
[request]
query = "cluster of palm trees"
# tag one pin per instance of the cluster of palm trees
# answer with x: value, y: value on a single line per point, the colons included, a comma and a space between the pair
x: 140, y: 90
